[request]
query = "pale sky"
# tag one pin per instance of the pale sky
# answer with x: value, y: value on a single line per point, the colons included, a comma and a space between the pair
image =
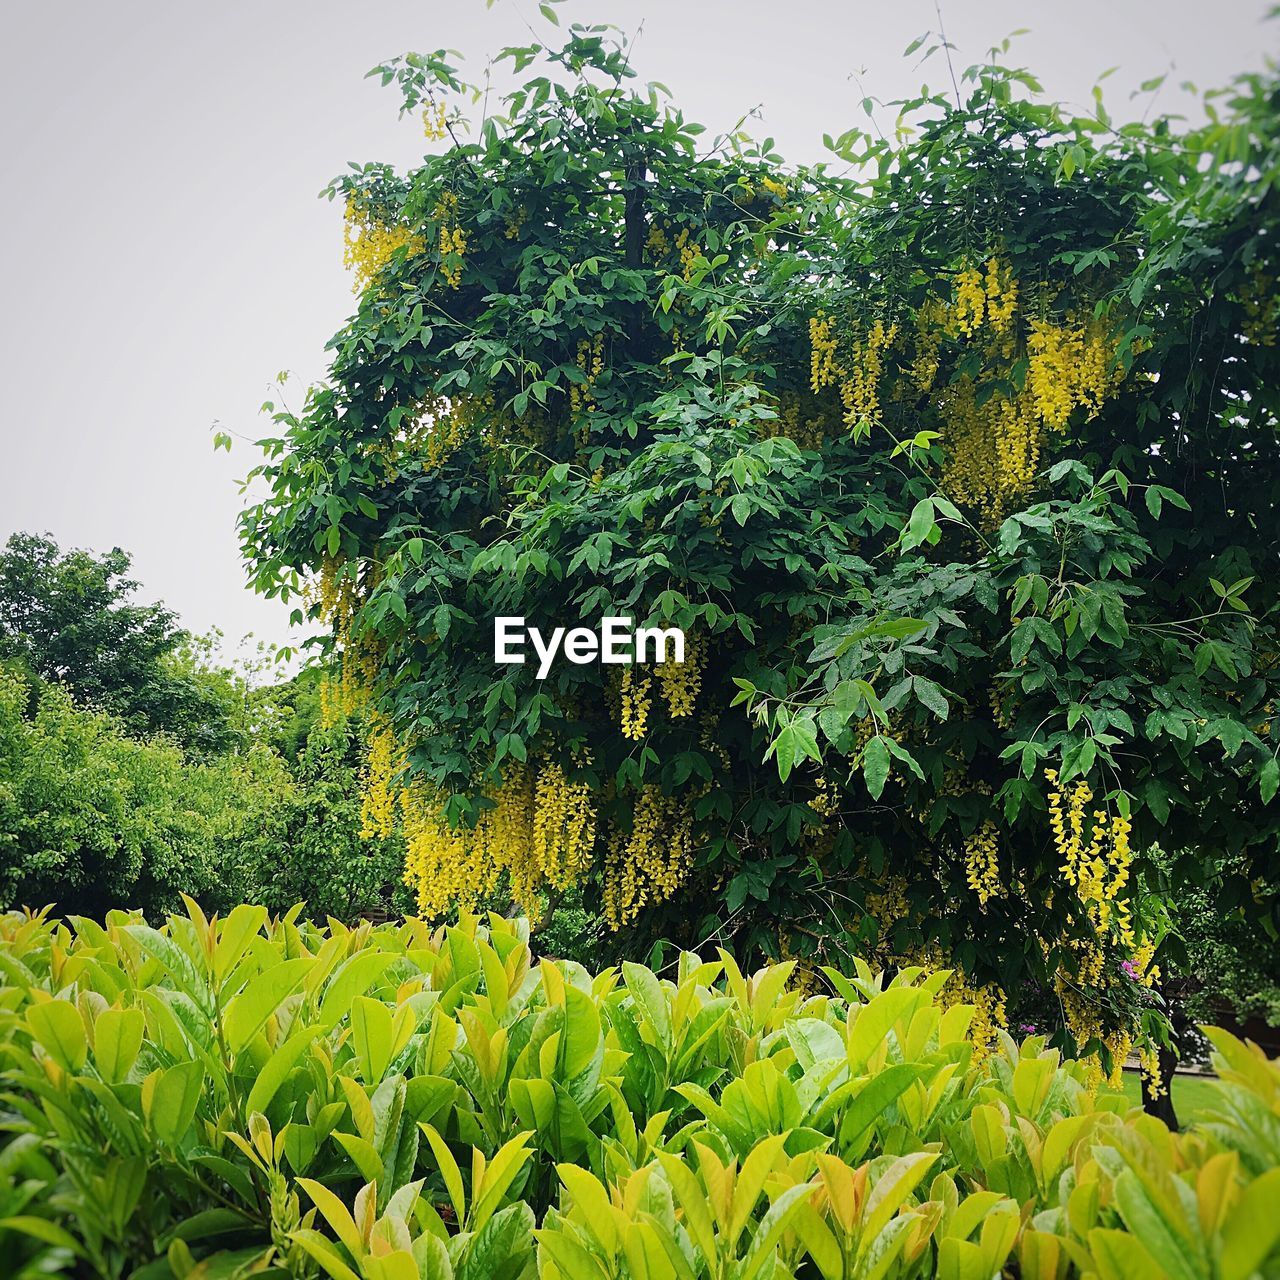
x: 165, y: 254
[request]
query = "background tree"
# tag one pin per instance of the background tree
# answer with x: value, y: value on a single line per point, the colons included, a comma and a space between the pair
x: 93, y: 818
x: 69, y: 617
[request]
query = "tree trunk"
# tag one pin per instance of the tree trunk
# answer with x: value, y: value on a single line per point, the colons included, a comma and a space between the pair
x: 1162, y: 1107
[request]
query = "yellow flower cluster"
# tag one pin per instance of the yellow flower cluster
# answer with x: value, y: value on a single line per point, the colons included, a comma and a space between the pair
x: 368, y: 244
x: 648, y: 865
x: 446, y: 866
x: 775, y: 188
x: 822, y: 352
x: 515, y: 222
x: 1096, y: 857
x: 982, y: 862
x: 888, y: 906
x: 987, y: 297
x: 590, y: 360
x: 995, y: 439
x: 995, y: 436
x: 931, y: 327
x: 989, y: 1011
x: 636, y: 697
x: 969, y: 302
x: 1003, y: 709
x: 1068, y: 365
x: 539, y: 828
x: 808, y: 432
x: 1033, y: 373
x: 860, y: 383
x: 453, y: 240
x: 1095, y: 969
x: 656, y: 242
x: 679, y: 682
x: 383, y: 762
x: 1097, y: 868
x: 435, y: 117
x: 1002, y: 295
x: 823, y: 803
x: 564, y: 827
x: 993, y: 447
x: 338, y: 595
x: 858, y: 377
x: 689, y: 251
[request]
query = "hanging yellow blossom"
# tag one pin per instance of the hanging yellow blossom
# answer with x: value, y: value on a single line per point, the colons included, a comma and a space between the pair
x: 564, y: 827
x: 1096, y: 858
x: 590, y: 360
x: 383, y: 762
x: 651, y: 863
x: 636, y: 695
x: 539, y: 828
x: 981, y: 861
x: 452, y: 239
x: 689, y: 251
x: 679, y: 682
x: 968, y: 309
x: 860, y: 383
x: 822, y: 358
x: 435, y: 117
x: 368, y: 243
x: 1001, y: 295
x: 339, y: 594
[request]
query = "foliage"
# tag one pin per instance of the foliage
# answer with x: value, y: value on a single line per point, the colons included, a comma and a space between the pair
x: 319, y: 852
x: 92, y: 818
x: 1228, y: 965
x: 67, y: 618
x: 231, y: 1096
x: 956, y: 470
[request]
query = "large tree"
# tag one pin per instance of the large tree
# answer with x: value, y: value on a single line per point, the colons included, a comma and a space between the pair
x: 70, y: 617
x: 959, y: 472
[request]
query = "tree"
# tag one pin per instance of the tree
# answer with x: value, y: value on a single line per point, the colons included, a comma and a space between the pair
x: 324, y: 856
x: 68, y: 617
x: 959, y: 474
x: 92, y: 818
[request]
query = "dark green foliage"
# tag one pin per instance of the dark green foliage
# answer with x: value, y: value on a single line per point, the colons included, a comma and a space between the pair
x: 320, y: 857
x: 69, y: 618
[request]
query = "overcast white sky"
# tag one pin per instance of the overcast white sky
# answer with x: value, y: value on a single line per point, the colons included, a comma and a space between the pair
x: 164, y: 253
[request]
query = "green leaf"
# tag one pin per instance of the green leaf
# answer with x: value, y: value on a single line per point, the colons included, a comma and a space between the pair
x: 1252, y: 1229
x: 117, y: 1040
x: 875, y: 766
x: 1269, y: 780
x: 649, y: 999
x: 57, y: 1027
x: 931, y: 696
x: 247, y: 1013
x: 277, y: 1070
x: 170, y: 1098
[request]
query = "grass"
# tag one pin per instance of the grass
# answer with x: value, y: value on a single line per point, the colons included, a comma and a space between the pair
x: 1190, y: 1093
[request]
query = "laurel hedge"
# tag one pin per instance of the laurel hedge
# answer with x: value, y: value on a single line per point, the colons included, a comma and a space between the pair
x: 255, y: 1095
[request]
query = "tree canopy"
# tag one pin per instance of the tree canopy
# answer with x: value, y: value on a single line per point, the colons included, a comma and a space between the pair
x: 955, y: 458
x: 70, y: 618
